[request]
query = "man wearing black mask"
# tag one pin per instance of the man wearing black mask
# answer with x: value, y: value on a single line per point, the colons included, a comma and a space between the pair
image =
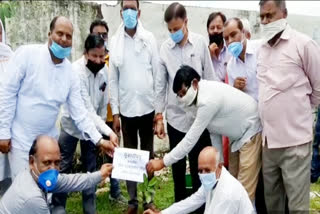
x: 93, y: 76
x: 218, y: 50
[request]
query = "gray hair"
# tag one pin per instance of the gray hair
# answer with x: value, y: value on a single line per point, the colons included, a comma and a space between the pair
x: 280, y: 3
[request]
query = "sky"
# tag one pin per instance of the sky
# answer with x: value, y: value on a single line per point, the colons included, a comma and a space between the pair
x: 310, y: 8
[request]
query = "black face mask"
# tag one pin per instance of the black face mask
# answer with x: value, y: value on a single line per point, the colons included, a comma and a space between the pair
x: 216, y: 38
x: 94, y: 67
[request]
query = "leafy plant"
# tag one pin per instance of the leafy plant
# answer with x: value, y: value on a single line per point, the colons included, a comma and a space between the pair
x: 148, y: 188
x: 7, y: 10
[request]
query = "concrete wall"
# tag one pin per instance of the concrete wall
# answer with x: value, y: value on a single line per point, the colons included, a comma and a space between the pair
x: 31, y: 22
x: 32, y: 19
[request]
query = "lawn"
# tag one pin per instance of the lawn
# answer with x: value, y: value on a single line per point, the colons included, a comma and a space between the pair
x: 164, y: 197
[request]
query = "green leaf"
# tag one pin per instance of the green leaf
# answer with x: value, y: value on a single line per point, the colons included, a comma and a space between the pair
x: 148, y: 197
x: 152, y: 182
x: 152, y: 191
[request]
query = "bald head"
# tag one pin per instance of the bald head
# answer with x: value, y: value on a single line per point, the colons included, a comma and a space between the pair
x: 60, y: 20
x: 45, y: 153
x: 208, y: 160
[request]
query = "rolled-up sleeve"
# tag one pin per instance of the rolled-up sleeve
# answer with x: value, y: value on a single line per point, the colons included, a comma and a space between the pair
x: 79, y: 113
x: 10, y: 82
x: 189, y: 204
x: 77, y: 182
x: 161, y: 85
x: 311, y: 62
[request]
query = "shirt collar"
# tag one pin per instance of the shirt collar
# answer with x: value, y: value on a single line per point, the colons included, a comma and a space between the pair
x: 286, y: 33
x: 190, y: 40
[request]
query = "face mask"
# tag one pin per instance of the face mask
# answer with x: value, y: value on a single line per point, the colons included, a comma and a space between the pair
x: 216, y: 38
x: 208, y: 180
x: 47, y: 180
x: 94, y: 67
x: 130, y: 18
x: 273, y: 28
x: 177, y: 36
x: 235, y: 48
x: 190, y: 96
x: 59, y: 51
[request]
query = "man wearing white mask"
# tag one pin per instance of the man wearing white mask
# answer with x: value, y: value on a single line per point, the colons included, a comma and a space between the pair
x: 134, y: 61
x: 5, y: 54
x: 289, y: 86
x: 222, y: 110
x: 220, y: 191
x: 37, y: 81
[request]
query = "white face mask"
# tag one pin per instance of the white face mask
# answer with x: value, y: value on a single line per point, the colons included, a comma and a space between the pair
x: 273, y: 28
x: 190, y: 96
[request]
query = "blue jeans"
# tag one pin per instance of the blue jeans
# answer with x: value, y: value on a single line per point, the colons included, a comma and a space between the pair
x: 315, y: 163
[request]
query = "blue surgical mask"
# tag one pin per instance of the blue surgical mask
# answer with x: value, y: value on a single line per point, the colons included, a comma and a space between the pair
x: 58, y: 51
x: 130, y: 18
x: 177, y: 36
x: 47, y: 180
x: 208, y: 180
x: 235, y: 49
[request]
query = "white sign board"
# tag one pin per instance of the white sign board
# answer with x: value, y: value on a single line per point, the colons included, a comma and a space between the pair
x: 129, y: 164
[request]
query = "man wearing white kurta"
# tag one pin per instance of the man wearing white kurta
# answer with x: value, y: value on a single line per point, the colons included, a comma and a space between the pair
x: 5, y: 54
x: 223, y: 110
x: 38, y: 80
x: 220, y: 191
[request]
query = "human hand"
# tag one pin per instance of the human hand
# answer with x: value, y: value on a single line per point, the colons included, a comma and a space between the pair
x: 106, y: 170
x: 214, y: 50
x: 240, y: 83
x: 116, y: 124
x: 159, y: 129
x: 114, y: 139
x: 5, y: 146
x: 155, y: 165
x: 107, y: 147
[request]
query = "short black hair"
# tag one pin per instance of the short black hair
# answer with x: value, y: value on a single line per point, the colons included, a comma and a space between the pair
x: 93, y: 41
x: 214, y: 15
x: 53, y: 22
x: 121, y: 4
x: 99, y: 22
x: 239, y: 22
x: 33, y: 149
x: 280, y: 3
x: 175, y: 10
x: 184, y: 75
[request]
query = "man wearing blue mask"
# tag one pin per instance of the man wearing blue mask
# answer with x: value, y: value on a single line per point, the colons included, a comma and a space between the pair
x: 38, y: 80
x: 31, y: 190
x: 222, y: 110
x: 134, y: 61
x: 242, y: 66
x: 182, y: 48
x: 220, y: 191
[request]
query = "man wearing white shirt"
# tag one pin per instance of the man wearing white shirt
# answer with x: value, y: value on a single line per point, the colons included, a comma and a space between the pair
x: 242, y: 66
x: 182, y: 48
x: 38, y: 80
x: 218, y: 49
x: 93, y: 83
x: 223, y: 110
x: 220, y: 191
x: 133, y: 64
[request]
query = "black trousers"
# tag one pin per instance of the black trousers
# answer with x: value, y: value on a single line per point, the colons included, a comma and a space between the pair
x: 179, y: 168
x: 131, y: 127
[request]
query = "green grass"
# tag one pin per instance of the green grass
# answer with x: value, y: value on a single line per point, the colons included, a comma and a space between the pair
x: 163, y: 198
x: 315, y: 202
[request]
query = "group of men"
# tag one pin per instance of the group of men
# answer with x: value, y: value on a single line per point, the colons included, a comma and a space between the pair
x: 260, y: 94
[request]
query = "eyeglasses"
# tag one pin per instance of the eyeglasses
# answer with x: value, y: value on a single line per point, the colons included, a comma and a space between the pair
x: 103, y: 35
